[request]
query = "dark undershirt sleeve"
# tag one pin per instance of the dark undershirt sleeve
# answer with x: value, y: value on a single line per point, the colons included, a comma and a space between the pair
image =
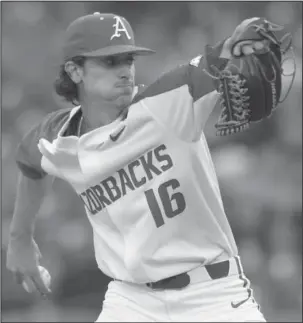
x: 199, y: 82
x: 193, y: 74
x: 28, y: 156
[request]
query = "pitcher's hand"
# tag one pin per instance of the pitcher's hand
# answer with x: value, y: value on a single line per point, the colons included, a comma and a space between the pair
x: 23, y: 261
x: 244, y: 47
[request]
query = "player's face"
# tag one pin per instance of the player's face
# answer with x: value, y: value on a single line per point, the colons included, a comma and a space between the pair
x: 109, y: 78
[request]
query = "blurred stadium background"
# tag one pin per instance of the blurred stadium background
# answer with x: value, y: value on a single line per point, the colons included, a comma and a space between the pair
x: 260, y: 171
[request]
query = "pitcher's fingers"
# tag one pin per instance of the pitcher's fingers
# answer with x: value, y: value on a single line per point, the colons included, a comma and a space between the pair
x: 247, y: 50
x: 40, y: 285
x: 237, y: 50
x: 258, y: 45
x: 28, y: 285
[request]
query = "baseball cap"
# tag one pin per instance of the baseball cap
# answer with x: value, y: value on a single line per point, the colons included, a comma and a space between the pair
x: 100, y: 34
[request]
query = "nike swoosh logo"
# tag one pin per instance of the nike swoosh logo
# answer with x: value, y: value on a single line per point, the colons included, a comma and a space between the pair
x: 237, y: 304
x: 115, y: 137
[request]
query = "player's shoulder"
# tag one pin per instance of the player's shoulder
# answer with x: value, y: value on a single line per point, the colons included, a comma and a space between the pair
x: 54, y: 121
x: 51, y: 124
x: 28, y: 157
x: 48, y: 127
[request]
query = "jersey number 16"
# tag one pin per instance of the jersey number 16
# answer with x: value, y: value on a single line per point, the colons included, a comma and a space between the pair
x: 167, y: 201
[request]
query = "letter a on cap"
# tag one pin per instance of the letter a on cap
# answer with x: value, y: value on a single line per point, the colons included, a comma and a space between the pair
x: 119, y: 27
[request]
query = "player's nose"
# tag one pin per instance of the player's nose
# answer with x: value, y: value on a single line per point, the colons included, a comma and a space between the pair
x: 125, y: 73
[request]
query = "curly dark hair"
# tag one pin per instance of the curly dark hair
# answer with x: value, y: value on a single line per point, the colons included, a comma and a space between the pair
x: 64, y: 85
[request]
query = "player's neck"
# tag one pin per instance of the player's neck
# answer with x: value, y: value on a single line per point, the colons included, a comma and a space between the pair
x: 98, y: 114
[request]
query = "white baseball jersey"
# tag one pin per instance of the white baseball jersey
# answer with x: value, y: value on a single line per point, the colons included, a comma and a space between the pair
x: 147, y: 181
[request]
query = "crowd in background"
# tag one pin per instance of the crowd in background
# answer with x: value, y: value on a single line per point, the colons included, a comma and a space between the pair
x: 259, y: 171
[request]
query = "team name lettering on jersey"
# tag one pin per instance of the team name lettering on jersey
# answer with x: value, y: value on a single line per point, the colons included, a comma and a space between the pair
x: 108, y: 191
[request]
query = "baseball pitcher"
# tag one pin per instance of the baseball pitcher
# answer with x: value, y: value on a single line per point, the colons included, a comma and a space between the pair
x: 138, y: 159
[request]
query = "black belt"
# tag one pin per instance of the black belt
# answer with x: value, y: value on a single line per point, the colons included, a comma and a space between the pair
x: 215, y: 271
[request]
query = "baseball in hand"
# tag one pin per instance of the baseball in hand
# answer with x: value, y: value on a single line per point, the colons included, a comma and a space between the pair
x: 29, y: 286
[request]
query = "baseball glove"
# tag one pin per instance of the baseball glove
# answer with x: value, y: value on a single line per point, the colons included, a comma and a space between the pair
x: 250, y: 85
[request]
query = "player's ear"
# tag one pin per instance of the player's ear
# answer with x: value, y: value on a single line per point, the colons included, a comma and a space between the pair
x: 74, y: 71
